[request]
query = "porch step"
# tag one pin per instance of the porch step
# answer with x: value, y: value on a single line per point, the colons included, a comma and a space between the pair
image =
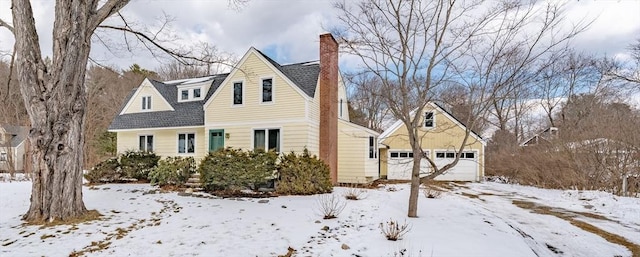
x: 194, y: 181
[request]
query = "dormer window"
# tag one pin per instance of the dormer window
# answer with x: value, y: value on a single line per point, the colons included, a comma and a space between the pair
x: 190, y: 94
x: 146, y: 103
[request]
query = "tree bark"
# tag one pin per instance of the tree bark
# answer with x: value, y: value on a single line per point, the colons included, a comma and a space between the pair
x: 55, y: 98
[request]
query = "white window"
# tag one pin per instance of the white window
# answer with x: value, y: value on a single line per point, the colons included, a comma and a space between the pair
x: 146, y: 143
x: 3, y: 157
x: 237, y: 93
x: 373, y: 152
x: 266, y: 137
x: 186, y: 143
x: 429, y: 120
x: 452, y: 155
x: 401, y: 154
x: 267, y: 90
x: 146, y: 102
x: 189, y: 94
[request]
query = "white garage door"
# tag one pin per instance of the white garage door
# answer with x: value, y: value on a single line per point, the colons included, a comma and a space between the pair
x: 465, y: 170
x: 399, y: 164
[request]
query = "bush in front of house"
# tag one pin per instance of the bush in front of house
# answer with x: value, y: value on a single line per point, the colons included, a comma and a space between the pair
x: 172, y: 171
x: 303, y: 174
x: 235, y: 169
x: 138, y: 164
x: 105, y: 171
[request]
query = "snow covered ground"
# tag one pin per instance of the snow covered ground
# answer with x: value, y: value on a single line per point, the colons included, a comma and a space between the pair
x: 476, y: 219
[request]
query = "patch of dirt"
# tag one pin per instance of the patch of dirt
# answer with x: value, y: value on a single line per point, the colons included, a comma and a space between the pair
x: 570, y: 217
x: 90, y: 215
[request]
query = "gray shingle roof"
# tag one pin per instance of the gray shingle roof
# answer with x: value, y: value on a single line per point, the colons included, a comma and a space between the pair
x: 303, y: 75
x: 18, y: 133
x: 185, y: 114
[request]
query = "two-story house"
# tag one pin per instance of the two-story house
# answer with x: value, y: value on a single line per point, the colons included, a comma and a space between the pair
x: 260, y: 104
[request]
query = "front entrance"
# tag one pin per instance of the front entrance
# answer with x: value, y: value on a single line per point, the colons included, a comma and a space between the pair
x: 216, y: 139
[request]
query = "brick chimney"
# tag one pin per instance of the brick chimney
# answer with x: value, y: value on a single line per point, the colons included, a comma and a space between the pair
x: 329, y: 103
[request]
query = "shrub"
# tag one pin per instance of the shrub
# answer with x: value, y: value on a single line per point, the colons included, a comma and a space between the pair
x: 303, y: 175
x: 172, y: 171
x: 105, y: 171
x: 234, y: 169
x: 430, y: 192
x: 394, y: 231
x: 330, y: 206
x: 138, y: 164
x: 353, y: 192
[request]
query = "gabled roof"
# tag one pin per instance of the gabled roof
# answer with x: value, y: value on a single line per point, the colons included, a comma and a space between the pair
x: 186, y: 113
x: 19, y: 133
x: 398, y: 124
x: 304, y: 74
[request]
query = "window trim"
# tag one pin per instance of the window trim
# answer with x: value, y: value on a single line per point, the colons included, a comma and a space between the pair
x: 153, y: 144
x: 146, y: 103
x: 273, y: 91
x: 4, y: 157
x: 233, y: 93
x: 433, y: 120
x: 266, y: 138
x: 195, y: 142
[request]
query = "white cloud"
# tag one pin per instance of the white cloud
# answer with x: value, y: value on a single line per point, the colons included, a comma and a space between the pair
x: 291, y: 28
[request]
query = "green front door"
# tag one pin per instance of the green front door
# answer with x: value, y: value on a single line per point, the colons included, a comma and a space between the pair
x: 216, y: 139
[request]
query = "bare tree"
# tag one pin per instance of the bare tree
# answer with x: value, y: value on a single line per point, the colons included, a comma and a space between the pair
x: 56, y: 99
x: 413, y: 47
x: 365, y: 98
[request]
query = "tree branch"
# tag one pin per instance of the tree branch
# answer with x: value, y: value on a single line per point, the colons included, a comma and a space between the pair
x: 180, y: 57
x: 6, y: 25
x: 109, y: 8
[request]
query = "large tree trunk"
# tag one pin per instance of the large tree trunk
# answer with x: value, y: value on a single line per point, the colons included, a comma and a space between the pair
x: 55, y: 98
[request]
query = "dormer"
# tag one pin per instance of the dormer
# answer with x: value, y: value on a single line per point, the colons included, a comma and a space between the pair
x: 189, y: 92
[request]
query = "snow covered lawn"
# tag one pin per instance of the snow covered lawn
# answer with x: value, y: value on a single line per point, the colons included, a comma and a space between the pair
x: 477, y: 219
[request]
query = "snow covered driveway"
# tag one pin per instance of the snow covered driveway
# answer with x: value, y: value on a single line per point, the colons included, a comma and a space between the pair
x: 477, y: 219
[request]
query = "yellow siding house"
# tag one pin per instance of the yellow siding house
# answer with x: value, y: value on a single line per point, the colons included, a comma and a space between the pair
x: 260, y: 104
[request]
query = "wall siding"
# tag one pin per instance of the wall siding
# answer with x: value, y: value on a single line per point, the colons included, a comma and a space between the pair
x: 354, y: 165
x: 294, y: 136
x: 165, y: 141
x: 146, y: 89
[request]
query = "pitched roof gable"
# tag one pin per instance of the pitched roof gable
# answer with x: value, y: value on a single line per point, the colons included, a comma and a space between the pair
x: 396, y: 125
x: 137, y: 91
x: 303, y: 76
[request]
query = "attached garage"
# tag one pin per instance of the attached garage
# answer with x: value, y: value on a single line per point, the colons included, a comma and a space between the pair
x: 440, y: 135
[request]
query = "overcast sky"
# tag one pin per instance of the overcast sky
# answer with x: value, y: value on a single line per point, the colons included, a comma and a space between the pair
x: 288, y: 30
